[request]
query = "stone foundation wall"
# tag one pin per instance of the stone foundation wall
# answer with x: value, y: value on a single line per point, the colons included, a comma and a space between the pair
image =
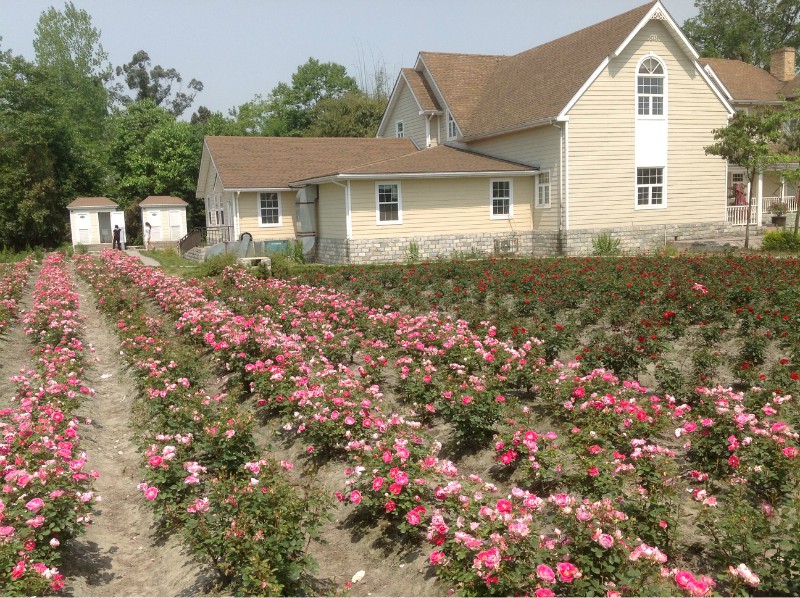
x: 640, y: 239
x: 331, y: 251
x: 539, y: 243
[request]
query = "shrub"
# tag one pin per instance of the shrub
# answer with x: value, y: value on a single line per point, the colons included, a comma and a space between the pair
x: 604, y: 244
x: 780, y: 240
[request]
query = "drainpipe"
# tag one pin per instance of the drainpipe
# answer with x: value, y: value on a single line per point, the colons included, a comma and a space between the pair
x: 560, y: 185
x: 236, y: 223
x: 348, y: 216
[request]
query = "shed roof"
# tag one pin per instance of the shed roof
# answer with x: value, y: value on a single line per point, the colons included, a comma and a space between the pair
x: 92, y: 202
x: 162, y: 200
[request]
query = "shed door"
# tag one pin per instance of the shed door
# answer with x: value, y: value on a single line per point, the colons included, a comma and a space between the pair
x: 154, y: 218
x: 118, y: 219
x: 175, y: 225
x: 84, y: 235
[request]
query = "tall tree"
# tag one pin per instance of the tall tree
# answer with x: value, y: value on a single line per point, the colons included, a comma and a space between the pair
x: 749, y: 141
x: 69, y: 46
x: 288, y: 111
x: 156, y: 84
x: 745, y: 30
x: 41, y: 166
x: 353, y: 115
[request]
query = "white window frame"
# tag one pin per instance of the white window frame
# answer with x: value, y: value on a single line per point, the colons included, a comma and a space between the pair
x: 399, y: 129
x: 493, y: 198
x: 649, y: 96
x: 261, y: 196
x: 378, y: 220
x: 543, y: 188
x: 452, y: 127
x: 650, y: 186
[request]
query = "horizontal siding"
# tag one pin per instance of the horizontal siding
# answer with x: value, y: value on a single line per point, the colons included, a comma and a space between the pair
x: 535, y: 147
x: 249, y: 219
x: 407, y: 110
x: 439, y: 207
x: 331, y: 223
x: 601, y: 143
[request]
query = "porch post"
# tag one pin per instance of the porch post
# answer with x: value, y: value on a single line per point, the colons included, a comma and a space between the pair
x: 760, y: 197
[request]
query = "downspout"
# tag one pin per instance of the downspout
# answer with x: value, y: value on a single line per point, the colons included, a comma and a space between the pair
x: 236, y: 224
x: 560, y: 246
x: 348, y: 218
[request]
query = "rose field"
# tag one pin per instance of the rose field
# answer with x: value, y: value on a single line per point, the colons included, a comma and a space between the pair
x: 573, y: 426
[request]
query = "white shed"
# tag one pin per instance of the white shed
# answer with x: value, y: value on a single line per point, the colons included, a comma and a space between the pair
x: 167, y: 217
x: 92, y: 219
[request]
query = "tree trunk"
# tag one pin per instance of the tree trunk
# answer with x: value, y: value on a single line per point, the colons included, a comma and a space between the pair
x: 796, y: 210
x: 747, y: 223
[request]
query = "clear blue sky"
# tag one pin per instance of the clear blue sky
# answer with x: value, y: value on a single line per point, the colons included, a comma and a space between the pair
x: 240, y: 48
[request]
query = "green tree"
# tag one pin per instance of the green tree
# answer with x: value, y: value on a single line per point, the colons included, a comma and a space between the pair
x: 42, y: 168
x: 69, y: 46
x: 353, y: 115
x: 790, y: 156
x: 288, y: 111
x: 749, y: 141
x: 745, y: 30
x: 129, y: 131
x: 156, y: 84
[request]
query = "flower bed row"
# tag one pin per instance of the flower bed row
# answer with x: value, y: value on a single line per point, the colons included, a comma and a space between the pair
x: 397, y: 459
x: 12, y: 282
x: 46, y: 497
x: 202, y: 474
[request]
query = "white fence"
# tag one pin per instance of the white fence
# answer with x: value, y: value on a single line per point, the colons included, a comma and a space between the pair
x: 737, y: 215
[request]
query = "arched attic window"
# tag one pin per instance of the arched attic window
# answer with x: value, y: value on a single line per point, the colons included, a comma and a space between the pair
x: 650, y: 87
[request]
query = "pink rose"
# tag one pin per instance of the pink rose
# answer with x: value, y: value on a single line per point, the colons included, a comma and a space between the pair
x: 544, y: 593
x: 567, y: 572
x: 377, y: 483
x: 355, y: 497
x: 605, y: 540
x: 437, y: 556
x: 151, y: 493
x: 545, y: 573
x: 34, y: 504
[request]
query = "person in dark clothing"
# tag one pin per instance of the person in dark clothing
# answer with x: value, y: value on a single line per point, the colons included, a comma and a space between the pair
x: 117, y: 243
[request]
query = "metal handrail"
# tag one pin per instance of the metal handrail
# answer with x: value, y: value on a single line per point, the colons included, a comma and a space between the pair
x: 202, y: 236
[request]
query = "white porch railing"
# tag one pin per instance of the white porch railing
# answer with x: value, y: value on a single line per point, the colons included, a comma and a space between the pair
x: 768, y: 202
x: 737, y: 215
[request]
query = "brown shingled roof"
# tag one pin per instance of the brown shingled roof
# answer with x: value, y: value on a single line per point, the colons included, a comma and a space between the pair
x: 459, y: 78
x: 274, y: 162
x: 540, y: 82
x: 440, y: 160
x: 92, y: 202
x: 162, y: 200
x: 421, y: 90
x: 791, y: 89
x: 745, y: 82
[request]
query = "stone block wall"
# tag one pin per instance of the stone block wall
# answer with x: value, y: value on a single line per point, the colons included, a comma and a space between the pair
x: 539, y: 243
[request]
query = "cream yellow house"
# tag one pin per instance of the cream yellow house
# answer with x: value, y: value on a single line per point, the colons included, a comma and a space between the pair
x: 600, y: 131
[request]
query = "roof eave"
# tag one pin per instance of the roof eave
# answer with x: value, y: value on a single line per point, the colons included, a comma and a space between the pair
x: 414, y: 175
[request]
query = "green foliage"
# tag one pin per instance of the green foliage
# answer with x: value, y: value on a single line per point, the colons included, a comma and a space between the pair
x: 780, y: 240
x: 412, y: 254
x: 604, y: 244
x: 745, y: 30
x: 215, y: 265
x: 289, y: 109
x: 42, y: 167
x: 355, y: 114
x: 154, y: 84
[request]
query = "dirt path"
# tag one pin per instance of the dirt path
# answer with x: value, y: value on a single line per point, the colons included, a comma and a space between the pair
x: 118, y: 555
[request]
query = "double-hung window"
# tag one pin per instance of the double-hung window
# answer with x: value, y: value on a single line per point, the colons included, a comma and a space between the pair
x: 269, y: 209
x: 399, y: 129
x: 650, y: 88
x: 502, y: 200
x: 649, y: 187
x: 543, y: 190
x: 388, y: 203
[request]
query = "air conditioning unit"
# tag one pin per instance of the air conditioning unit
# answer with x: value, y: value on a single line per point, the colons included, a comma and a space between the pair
x: 510, y: 245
